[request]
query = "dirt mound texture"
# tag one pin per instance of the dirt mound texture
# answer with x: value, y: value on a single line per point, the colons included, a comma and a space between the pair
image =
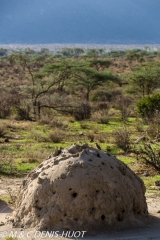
x: 80, y: 189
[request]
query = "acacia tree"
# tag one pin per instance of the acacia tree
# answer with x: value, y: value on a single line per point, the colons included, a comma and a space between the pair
x: 89, y: 78
x: 93, y: 53
x: 135, y: 54
x: 29, y: 51
x: 28, y: 69
x: 80, y: 74
x: 63, y: 70
x: 100, y: 64
x: 146, y: 78
x: 40, y: 86
x: 52, y: 80
x: 78, y: 51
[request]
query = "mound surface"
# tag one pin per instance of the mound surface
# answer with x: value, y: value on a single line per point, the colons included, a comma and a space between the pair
x: 80, y: 189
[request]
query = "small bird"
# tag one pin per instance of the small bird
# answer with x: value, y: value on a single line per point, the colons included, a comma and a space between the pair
x: 97, y: 145
x: 146, y: 174
x: 57, y: 152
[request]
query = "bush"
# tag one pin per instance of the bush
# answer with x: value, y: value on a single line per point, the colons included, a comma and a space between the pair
x: 106, y: 96
x: 85, y: 125
x: 82, y: 111
x: 36, y: 135
x: 91, y: 137
x: 23, y: 113
x: 5, y: 104
x: 154, y: 126
x: 7, y: 166
x: 148, y: 154
x: 123, y: 103
x: 101, y: 106
x: 148, y: 105
x: 59, y: 123
x: 56, y: 136
x: 104, y: 119
x: 122, y: 138
x: 101, y: 116
x: 100, y: 112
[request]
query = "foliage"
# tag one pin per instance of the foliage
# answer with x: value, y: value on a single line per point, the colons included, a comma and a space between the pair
x: 94, y: 53
x: 90, y: 79
x: 67, y: 52
x: 123, y: 103
x: 148, y: 105
x: 7, y: 101
x: 81, y: 111
x: 7, y: 166
x: 135, y: 54
x: 146, y: 78
x: 108, y: 95
x: 149, y: 154
x: 100, y: 64
x: 153, y: 129
x: 56, y: 136
x: 122, y: 138
x: 104, y: 119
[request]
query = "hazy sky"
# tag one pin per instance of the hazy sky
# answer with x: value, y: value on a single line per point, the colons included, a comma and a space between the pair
x: 79, y: 21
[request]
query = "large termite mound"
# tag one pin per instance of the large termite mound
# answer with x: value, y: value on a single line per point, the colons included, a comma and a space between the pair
x: 80, y: 189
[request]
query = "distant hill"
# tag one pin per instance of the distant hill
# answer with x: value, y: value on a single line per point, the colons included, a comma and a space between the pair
x: 79, y: 21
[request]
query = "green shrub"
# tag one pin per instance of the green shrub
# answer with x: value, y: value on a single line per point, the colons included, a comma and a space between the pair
x: 148, y: 153
x: 7, y: 166
x: 148, y: 105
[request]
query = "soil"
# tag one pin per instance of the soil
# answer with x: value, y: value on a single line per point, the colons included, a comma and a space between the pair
x: 150, y: 230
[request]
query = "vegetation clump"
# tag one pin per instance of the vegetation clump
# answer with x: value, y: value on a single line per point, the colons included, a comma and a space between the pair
x: 148, y: 105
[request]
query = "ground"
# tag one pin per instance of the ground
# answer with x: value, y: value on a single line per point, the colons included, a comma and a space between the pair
x: 149, y: 231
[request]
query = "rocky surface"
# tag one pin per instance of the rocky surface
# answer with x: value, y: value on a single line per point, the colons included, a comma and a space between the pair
x: 82, y: 188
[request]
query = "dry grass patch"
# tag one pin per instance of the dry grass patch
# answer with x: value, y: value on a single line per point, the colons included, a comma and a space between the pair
x: 56, y: 136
